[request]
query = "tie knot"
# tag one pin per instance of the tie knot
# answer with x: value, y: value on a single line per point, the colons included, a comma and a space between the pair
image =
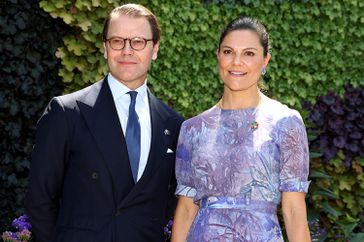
x: 133, y: 95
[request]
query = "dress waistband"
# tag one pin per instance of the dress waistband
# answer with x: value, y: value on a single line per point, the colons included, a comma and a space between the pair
x: 238, y: 203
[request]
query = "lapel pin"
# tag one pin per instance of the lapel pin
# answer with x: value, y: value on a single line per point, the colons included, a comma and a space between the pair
x: 254, y: 125
x: 167, y: 132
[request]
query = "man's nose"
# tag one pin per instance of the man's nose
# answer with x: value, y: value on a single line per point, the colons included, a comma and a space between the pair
x: 127, y: 48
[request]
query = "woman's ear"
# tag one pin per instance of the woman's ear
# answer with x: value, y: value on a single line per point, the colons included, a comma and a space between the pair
x: 266, y: 60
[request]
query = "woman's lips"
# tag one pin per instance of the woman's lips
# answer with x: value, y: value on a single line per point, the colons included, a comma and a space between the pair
x: 237, y: 73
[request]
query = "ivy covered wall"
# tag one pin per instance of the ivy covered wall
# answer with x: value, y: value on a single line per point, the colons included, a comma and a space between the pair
x: 317, y: 46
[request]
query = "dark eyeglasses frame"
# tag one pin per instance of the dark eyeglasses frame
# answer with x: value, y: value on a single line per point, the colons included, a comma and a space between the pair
x: 130, y: 42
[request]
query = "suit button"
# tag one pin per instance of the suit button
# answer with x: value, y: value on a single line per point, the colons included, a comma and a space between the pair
x: 117, y: 213
x: 95, y: 175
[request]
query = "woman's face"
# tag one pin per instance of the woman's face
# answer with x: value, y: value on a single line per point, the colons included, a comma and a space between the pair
x: 241, y: 60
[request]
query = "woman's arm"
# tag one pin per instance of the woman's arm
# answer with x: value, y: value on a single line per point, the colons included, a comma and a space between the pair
x: 295, y: 216
x: 185, y: 213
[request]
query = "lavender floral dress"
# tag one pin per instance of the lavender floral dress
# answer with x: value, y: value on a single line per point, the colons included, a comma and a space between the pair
x: 235, y: 164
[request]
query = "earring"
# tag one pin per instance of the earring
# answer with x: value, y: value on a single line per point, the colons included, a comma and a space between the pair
x: 264, y: 71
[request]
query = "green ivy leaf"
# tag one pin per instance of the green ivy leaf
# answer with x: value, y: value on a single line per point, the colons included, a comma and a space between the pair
x: 85, y: 25
x: 315, y: 155
x: 319, y: 174
x: 357, y: 237
x: 67, y: 17
x: 348, y: 224
x: 48, y: 7
x: 331, y: 210
x: 344, y: 185
x: 96, y: 3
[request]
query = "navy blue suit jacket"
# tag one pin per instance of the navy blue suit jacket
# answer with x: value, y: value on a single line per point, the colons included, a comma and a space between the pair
x: 81, y: 186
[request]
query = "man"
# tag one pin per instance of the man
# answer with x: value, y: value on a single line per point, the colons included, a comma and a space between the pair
x: 102, y: 167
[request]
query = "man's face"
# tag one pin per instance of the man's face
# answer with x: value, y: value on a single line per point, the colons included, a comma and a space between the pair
x: 127, y: 65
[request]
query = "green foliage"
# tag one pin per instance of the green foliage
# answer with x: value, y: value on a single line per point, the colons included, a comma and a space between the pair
x: 336, y: 139
x: 29, y: 39
x: 338, y: 197
x: 316, y: 47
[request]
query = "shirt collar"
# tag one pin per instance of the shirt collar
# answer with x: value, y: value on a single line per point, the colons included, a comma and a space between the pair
x: 118, y: 89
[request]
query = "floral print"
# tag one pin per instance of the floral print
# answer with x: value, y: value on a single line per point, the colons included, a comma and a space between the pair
x: 237, y: 172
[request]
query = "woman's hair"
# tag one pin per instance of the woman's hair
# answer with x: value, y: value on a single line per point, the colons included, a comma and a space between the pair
x: 135, y: 11
x: 248, y: 23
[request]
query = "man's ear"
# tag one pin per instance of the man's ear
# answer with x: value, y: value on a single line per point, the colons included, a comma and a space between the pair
x: 155, y: 51
x: 105, y: 51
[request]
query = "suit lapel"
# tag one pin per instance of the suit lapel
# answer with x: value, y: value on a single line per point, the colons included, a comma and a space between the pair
x: 98, y: 109
x: 159, y: 140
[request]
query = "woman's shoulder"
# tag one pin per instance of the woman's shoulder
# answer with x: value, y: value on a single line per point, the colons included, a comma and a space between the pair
x: 208, y: 116
x: 284, y: 119
x: 276, y: 110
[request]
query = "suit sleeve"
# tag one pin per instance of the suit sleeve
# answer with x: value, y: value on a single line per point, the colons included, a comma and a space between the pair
x: 47, y: 167
x: 172, y: 199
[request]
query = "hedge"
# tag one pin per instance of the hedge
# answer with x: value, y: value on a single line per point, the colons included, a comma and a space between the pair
x: 336, y: 195
x: 28, y: 78
x: 317, y: 46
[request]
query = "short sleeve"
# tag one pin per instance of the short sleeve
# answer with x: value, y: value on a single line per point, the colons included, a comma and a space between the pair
x: 185, y: 184
x: 294, y: 154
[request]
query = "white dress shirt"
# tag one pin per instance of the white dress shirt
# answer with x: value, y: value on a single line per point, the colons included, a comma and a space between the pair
x: 122, y: 101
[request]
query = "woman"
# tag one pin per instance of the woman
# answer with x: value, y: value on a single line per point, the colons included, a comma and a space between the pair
x: 238, y: 160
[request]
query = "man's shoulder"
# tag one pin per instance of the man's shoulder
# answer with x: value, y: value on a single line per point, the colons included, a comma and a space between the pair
x: 165, y: 109
x: 88, y: 93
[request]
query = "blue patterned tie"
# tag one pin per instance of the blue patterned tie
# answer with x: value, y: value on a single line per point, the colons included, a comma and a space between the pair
x: 132, y: 136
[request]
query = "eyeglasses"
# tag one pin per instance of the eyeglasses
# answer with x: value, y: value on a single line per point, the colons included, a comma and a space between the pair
x: 136, y: 43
